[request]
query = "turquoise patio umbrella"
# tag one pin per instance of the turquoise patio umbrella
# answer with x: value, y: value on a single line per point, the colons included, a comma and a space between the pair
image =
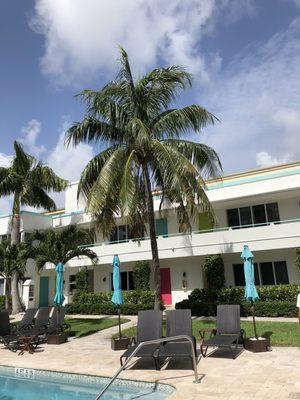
x: 59, y: 297
x: 117, y: 297
x: 250, y: 289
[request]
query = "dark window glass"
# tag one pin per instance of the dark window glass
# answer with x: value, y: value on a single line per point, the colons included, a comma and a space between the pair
x: 238, y: 272
x: 272, y: 212
x: 256, y: 275
x: 245, y: 214
x: 266, y: 272
x: 122, y: 233
x: 124, y: 280
x: 233, y: 217
x: 281, y: 272
x: 130, y: 279
x: 114, y: 235
x: 259, y: 214
x: 91, y: 280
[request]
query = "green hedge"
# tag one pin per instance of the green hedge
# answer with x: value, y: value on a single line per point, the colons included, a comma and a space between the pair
x: 100, y: 303
x: 275, y: 301
x: 2, y: 302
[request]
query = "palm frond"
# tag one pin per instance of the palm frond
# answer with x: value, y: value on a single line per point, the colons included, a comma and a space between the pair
x: 177, y: 122
x: 92, y: 171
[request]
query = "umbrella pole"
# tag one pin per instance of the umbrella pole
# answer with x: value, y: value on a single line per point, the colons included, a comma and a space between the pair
x: 253, y: 317
x: 119, y: 318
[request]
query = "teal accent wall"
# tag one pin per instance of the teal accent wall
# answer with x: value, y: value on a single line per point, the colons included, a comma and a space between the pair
x: 44, y: 291
x: 161, y: 226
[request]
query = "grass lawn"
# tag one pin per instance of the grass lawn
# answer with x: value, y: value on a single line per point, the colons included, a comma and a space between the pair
x: 280, y: 333
x: 83, y: 327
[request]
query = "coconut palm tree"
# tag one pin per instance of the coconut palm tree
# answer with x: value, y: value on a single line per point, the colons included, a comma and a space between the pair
x: 60, y: 245
x: 13, y: 258
x: 141, y: 134
x: 28, y: 181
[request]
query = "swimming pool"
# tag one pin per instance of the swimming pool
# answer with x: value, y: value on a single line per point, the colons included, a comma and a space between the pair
x: 28, y: 384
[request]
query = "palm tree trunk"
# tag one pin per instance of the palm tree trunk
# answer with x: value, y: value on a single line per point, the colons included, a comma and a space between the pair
x: 153, y: 240
x: 7, y: 295
x: 15, y: 239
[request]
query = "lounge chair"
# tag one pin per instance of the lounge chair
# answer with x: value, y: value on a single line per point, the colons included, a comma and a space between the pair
x: 179, y: 322
x: 149, y: 327
x: 228, y: 333
x: 41, y: 322
x: 9, y: 335
x: 57, y: 321
x: 27, y: 320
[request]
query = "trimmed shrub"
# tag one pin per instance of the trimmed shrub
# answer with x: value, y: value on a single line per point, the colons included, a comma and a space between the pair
x: 82, y: 280
x: 213, y: 268
x: 275, y: 301
x: 141, y: 275
x: 2, y: 302
x: 100, y: 303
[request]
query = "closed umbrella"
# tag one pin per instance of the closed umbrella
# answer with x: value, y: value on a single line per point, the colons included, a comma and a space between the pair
x: 117, y: 297
x: 59, y: 297
x: 250, y: 289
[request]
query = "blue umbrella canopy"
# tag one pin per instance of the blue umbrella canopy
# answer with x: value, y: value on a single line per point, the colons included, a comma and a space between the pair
x: 250, y: 289
x: 117, y: 297
x: 59, y: 295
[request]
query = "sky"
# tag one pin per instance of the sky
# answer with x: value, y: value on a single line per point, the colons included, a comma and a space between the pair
x: 244, y: 56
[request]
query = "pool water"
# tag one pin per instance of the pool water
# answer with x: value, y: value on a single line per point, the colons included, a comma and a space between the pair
x: 24, y: 384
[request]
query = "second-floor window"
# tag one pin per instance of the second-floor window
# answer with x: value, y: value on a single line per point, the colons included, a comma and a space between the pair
x: 252, y: 215
x: 121, y: 234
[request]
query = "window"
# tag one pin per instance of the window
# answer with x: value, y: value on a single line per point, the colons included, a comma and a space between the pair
x: 205, y: 221
x: 245, y: 215
x: 72, y: 283
x: 126, y: 280
x: 266, y: 273
x: 257, y: 214
x: 239, y: 278
x: 272, y: 212
x: 281, y: 272
x: 121, y: 233
x: 233, y: 217
x: 238, y: 272
x: 1, y: 287
x: 31, y: 292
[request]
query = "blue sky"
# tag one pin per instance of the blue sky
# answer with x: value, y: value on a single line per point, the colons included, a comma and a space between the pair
x: 244, y: 54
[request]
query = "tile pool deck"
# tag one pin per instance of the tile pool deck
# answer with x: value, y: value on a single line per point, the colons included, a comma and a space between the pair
x: 272, y: 375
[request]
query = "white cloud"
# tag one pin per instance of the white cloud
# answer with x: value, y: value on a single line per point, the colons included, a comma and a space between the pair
x: 5, y: 160
x: 69, y: 162
x: 264, y: 159
x: 81, y: 38
x: 257, y: 98
x: 30, y: 134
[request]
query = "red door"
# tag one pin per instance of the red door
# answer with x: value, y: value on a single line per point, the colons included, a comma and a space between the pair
x: 165, y: 282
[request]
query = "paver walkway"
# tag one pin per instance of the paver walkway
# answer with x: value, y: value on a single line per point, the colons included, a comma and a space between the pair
x: 272, y: 375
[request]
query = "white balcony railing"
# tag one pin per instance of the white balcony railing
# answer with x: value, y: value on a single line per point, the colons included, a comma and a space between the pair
x: 268, y: 236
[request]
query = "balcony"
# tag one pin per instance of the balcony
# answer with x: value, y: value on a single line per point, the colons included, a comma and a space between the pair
x: 260, y: 237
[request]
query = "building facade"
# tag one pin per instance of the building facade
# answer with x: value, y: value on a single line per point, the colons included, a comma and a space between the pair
x: 260, y: 208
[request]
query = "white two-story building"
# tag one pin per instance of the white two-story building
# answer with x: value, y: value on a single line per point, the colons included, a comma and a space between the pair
x: 260, y: 208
